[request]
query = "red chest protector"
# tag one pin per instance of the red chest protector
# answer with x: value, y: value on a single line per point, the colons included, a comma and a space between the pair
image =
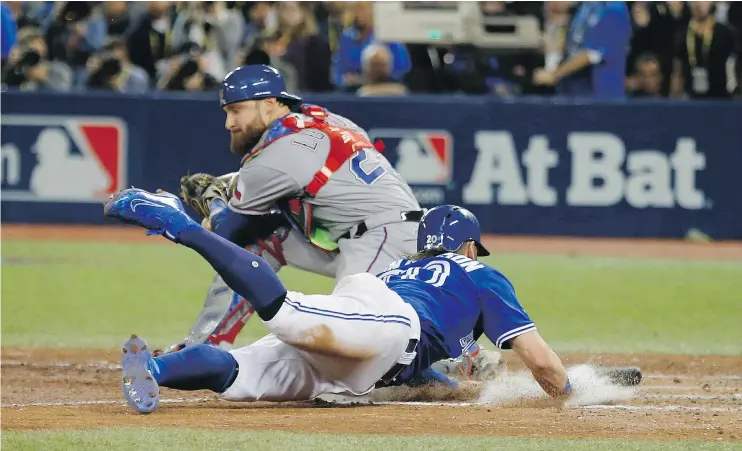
x: 344, y: 143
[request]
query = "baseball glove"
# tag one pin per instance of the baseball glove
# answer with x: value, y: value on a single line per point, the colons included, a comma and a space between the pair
x: 200, y: 190
x: 481, y: 365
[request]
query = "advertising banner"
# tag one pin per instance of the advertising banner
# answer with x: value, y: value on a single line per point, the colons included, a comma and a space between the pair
x: 644, y: 169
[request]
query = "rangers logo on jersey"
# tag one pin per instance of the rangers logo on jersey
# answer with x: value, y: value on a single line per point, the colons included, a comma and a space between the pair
x: 62, y: 158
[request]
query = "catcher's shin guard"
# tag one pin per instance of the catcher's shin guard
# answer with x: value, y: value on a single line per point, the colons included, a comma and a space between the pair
x: 225, y: 313
x: 238, y: 315
x: 240, y: 311
x: 217, y: 305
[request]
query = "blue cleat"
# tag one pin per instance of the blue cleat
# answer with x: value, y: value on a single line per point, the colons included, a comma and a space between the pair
x: 161, y: 213
x: 138, y: 384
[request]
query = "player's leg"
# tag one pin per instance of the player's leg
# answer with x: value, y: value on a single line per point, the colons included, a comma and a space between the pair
x: 267, y: 370
x: 290, y: 248
x: 271, y: 370
x: 285, y: 247
x: 339, y: 343
x: 239, y: 310
x: 354, y: 335
x: 363, y: 321
x: 244, y: 272
x: 373, y: 251
x: 225, y: 313
x: 200, y: 367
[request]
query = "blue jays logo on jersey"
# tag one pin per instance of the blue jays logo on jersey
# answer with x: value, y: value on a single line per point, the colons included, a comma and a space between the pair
x: 62, y: 158
x: 422, y: 157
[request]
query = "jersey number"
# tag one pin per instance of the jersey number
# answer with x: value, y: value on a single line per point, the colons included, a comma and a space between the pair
x: 367, y: 178
x: 441, y: 269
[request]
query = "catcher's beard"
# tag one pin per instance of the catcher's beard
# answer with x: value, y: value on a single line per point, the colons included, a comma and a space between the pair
x: 244, y: 140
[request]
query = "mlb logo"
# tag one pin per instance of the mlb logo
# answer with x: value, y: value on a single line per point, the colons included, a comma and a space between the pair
x: 423, y: 157
x: 62, y: 158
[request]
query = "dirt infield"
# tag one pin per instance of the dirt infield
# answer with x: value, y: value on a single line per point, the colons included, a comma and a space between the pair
x: 682, y: 397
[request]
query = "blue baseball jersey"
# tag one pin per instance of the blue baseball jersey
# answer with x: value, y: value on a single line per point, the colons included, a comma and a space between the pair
x: 457, y: 300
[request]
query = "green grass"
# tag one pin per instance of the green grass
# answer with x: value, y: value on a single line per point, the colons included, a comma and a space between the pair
x: 95, y: 295
x: 190, y: 439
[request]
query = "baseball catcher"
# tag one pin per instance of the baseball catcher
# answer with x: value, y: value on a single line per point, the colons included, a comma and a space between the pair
x: 312, y: 192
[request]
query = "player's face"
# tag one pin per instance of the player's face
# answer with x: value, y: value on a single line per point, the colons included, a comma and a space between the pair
x: 245, y: 124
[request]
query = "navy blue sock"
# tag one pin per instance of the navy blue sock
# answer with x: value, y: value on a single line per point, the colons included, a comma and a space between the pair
x: 244, y: 272
x: 199, y: 367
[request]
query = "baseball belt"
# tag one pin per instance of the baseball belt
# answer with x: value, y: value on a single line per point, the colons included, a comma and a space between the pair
x: 365, y: 226
x: 392, y: 374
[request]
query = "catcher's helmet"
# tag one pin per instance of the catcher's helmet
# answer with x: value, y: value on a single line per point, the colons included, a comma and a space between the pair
x: 256, y: 81
x: 447, y: 227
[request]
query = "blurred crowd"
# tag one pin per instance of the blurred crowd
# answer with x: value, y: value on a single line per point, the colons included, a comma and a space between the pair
x: 676, y: 49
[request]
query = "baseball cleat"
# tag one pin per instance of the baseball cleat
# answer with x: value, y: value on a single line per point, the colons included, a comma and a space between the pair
x: 161, y: 213
x: 137, y: 382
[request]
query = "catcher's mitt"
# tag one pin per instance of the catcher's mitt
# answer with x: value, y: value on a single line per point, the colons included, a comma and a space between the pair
x: 199, y: 190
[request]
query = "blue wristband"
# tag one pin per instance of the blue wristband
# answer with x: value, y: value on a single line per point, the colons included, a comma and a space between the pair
x: 567, y: 388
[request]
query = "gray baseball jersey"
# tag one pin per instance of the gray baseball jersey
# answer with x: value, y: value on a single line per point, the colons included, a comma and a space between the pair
x: 364, y: 186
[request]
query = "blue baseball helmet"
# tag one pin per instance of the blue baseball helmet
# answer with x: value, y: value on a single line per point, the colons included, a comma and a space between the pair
x: 252, y: 82
x: 448, y: 227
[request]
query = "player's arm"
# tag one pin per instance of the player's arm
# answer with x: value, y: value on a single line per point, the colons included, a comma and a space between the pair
x: 209, y: 198
x: 508, y: 326
x: 544, y: 364
x: 250, y: 213
x: 241, y: 229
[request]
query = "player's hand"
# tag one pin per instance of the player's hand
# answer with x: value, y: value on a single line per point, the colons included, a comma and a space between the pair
x: 200, y: 190
x: 476, y: 364
x: 544, y: 77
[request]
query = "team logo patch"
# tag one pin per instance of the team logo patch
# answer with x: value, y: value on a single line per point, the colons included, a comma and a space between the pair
x: 62, y: 158
x: 423, y: 157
